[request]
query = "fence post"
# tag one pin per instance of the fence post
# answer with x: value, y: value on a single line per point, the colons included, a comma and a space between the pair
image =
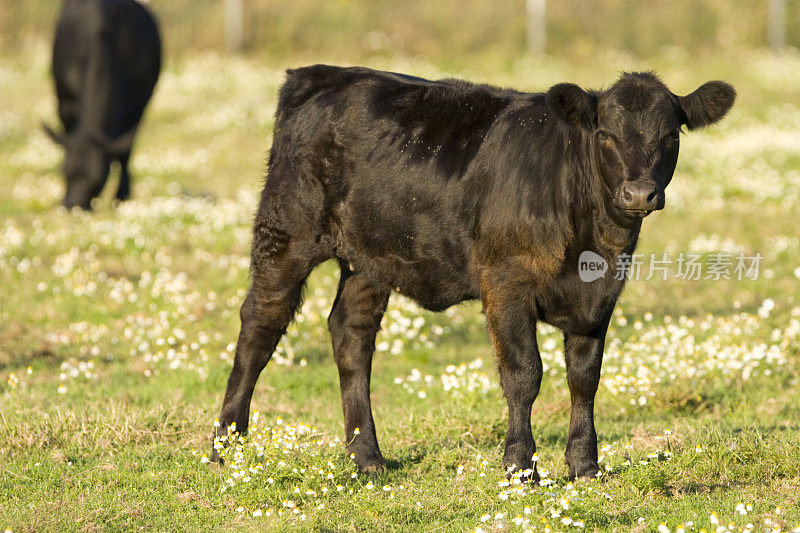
x: 234, y: 23
x: 776, y: 22
x: 537, y: 28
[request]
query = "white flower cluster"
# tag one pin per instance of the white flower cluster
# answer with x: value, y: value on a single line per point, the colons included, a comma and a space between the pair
x: 457, y: 380
x: 688, y: 349
x: 466, y: 378
x: 296, y: 467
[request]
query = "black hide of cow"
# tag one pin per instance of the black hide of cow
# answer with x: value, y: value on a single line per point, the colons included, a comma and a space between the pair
x: 106, y: 60
x: 447, y: 191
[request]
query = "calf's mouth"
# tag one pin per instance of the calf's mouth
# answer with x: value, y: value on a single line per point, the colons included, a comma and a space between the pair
x: 639, y: 213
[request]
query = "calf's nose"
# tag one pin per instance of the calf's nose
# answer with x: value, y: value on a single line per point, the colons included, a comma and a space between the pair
x: 640, y: 194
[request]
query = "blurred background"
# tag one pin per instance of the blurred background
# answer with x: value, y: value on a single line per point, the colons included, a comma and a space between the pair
x: 450, y: 33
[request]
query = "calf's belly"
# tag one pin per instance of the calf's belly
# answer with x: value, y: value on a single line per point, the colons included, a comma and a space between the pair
x: 419, y: 255
x: 435, y: 286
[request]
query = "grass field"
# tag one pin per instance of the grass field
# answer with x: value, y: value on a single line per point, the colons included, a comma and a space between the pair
x: 117, y: 330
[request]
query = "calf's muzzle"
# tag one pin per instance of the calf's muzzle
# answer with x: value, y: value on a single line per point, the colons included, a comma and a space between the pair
x: 641, y: 195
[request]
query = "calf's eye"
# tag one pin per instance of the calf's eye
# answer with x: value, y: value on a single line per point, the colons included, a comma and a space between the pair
x: 671, y: 138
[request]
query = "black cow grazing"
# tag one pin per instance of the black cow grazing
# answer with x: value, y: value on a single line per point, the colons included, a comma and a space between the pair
x: 106, y: 60
x: 447, y: 191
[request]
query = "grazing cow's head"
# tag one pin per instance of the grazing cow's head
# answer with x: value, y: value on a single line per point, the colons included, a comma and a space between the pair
x: 634, y: 128
x: 86, y: 165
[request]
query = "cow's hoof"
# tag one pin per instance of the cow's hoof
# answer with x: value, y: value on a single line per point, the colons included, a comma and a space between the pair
x: 368, y: 459
x: 588, y: 471
x: 528, y: 474
x: 372, y: 469
x: 215, y: 458
x: 585, y: 480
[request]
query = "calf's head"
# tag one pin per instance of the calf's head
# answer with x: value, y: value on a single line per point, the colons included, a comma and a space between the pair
x: 633, y: 130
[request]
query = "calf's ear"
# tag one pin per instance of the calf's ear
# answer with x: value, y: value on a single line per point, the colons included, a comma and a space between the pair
x: 707, y: 104
x: 573, y: 105
x: 58, y: 138
x: 115, y: 147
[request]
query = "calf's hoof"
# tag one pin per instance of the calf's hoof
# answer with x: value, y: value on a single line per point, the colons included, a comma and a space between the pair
x: 525, y: 471
x: 218, y: 445
x: 525, y: 475
x: 370, y: 463
x: 215, y: 458
x: 587, y: 470
x: 372, y: 469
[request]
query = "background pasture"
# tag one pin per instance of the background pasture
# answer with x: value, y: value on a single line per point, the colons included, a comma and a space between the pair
x: 117, y: 327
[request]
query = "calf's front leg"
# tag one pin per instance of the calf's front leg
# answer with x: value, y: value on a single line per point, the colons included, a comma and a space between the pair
x: 584, y: 357
x: 512, y: 326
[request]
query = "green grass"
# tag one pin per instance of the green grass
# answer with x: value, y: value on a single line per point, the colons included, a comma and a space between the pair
x: 117, y: 331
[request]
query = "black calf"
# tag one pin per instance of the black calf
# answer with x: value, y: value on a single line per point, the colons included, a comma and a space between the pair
x: 447, y: 191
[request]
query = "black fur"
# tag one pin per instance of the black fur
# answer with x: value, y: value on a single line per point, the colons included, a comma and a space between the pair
x: 447, y: 191
x: 106, y: 60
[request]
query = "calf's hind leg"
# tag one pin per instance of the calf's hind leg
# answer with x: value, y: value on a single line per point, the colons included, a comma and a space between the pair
x: 354, y: 322
x: 275, y: 295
